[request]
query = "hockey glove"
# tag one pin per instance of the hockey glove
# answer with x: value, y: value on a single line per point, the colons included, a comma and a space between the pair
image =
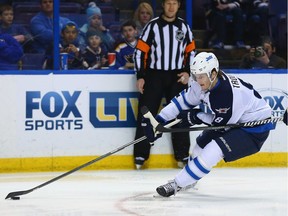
x: 285, y: 116
x: 149, y: 131
x: 189, y: 118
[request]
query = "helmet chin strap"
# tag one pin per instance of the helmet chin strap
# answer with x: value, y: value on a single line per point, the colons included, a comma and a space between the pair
x: 211, y: 81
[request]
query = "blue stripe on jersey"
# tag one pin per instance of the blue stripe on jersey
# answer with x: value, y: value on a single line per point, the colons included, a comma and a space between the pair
x: 174, y: 100
x: 199, y: 166
x: 185, y: 101
x: 189, y: 171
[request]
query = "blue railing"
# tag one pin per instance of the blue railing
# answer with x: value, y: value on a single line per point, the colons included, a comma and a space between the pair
x: 56, y: 53
x: 112, y: 72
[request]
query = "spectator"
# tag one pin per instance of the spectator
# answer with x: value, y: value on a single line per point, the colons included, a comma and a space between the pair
x: 257, y: 20
x: 42, y: 27
x: 263, y: 57
x: 19, y: 32
x: 94, y: 55
x: 125, y: 50
x: 95, y: 23
x: 220, y: 9
x: 69, y: 43
x: 143, y: 14
x: 10, y: 52
x: 162, y: 57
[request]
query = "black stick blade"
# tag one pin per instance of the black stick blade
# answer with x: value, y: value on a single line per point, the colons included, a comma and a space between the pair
x: 163, y: 129
x: 144, y: 110
x: 17, y: 193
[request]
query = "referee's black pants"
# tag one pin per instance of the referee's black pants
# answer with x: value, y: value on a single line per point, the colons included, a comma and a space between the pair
x: 157, y: 85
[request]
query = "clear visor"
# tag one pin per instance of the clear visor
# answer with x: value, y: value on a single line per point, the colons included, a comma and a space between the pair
x: 196, y: 77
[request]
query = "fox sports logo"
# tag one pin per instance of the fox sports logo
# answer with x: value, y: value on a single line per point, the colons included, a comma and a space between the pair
x: 276, y: 98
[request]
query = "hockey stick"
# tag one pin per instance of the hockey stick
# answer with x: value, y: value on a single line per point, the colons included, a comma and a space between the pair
x: 160, y: 128
x: 15, y: 195
x: 12, y: 195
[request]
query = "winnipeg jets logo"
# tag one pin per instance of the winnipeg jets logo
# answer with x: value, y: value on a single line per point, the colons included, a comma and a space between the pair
x: 222, y: 110
x: 179, y: 35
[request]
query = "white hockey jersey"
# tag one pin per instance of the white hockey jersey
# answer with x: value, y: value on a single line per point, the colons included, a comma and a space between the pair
x: 231, y: 101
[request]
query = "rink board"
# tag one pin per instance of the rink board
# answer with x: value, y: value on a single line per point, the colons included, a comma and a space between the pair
x: 262, y: 159
x: 58, y: 121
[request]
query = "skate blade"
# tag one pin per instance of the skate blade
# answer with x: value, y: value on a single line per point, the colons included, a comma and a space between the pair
x: 158, y: 196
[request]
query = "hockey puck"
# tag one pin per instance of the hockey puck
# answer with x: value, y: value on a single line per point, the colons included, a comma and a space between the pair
x: 15, y: 198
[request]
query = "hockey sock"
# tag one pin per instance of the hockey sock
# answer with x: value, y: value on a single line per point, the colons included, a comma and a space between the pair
x: 200, y: 166
x: 197, y: 150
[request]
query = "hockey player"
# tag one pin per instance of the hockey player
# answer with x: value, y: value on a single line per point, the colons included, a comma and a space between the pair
x: 231, y: 100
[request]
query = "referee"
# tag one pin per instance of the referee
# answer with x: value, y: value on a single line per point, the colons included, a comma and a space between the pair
x: 162, y: 57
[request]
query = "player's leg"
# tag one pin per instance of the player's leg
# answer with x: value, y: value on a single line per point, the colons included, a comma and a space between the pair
x: 181, y: 147
x: 153, y: 93
x: 237, y: 143
x: 231, y: 145
x: 202, y: 140
x: 141, y: 150
x: 180, y: 141
x: 196, y: 151
x: 194, y: 170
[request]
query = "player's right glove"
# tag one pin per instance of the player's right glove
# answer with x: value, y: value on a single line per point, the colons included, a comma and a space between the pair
x: 149, y: 131
x: 189, y: 118
x: 285, y: 117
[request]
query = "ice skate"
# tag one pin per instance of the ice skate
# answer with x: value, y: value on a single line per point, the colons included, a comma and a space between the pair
x: 188, y: 187
x: 139, y: 162
x: 169, y: 189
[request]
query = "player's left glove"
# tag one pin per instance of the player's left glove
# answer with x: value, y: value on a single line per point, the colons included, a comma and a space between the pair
x: 285, y: 117
x: 189, y: 117
x: 149, y: 131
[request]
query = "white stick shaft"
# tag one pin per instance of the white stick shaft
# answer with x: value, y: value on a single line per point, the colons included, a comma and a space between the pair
x: 155, y: 123
x: 176, y: 121
x: 151, y: 118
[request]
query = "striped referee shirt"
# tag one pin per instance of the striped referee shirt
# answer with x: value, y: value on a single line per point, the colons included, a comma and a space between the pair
x: 164, y: 46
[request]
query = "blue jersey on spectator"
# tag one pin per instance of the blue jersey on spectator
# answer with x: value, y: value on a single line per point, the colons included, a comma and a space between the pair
x: 15, y: 29
x: 42, y: 31
x: 10, y: 52
x: 124, y: 53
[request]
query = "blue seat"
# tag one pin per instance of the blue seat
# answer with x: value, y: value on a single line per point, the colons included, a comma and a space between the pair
x: 70, y: 7
x: 278, y: 23
x: 79, y: 19
x: 108, y: 19
x: 23, y: 18
x: 34, y: 7
x: 33, y: 61
x: 26, y: 7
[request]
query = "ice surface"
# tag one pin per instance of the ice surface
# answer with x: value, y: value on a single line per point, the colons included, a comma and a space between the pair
x: 224, y: 191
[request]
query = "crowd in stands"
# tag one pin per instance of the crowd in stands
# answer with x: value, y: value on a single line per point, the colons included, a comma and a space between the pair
x: 92, y: 31
x: 249, y: 17
x: 263, y: 57
x: 143, y: 14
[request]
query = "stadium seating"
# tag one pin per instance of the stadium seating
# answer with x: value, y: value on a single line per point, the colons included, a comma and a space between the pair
x: 32, y: 61
x: 34, y: 7
x: 278, y: 24
x: 80, y: 19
